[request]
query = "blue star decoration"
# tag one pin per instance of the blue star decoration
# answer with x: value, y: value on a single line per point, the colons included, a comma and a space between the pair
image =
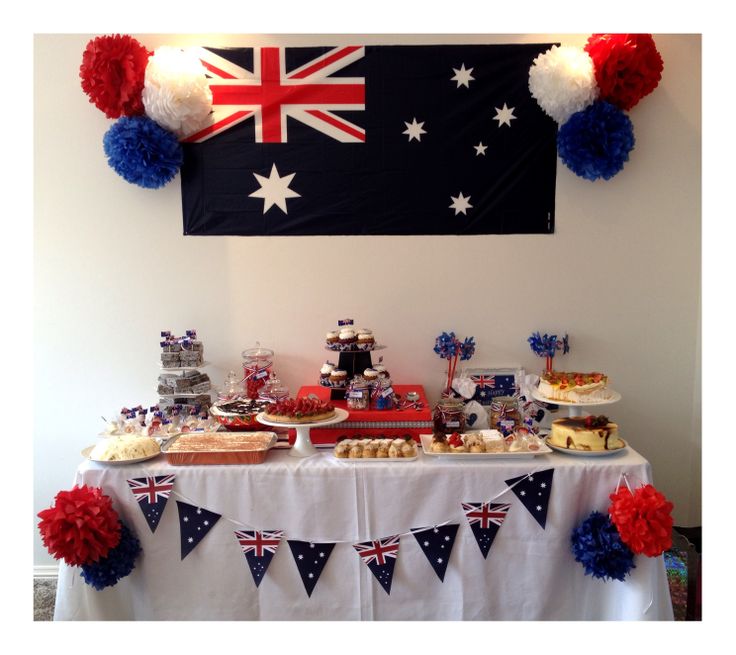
x: 310, y: 559
x: 194, y: 524
x: 436, y: 544
x: 534, y: 492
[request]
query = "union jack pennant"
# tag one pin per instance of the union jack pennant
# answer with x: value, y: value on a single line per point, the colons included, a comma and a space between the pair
x: 259, y: 547
x: 534, y: 491
x: 380, y: 556
x: 485, y: 519
x: 152, y: 493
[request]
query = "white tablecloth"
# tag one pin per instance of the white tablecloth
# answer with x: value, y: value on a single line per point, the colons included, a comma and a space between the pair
x: 530, y: 573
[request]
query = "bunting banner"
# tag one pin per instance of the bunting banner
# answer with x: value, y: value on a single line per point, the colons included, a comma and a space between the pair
x: 310, y: 559
x: 436, y: 544
x: 533, y: 490
x: 485, y: 519
x: 152, y: 494
x: 380, y: 556
x: 194, y: 524
x: 259, y: 547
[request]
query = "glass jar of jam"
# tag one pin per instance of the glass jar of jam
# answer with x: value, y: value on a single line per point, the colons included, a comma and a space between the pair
x: 358, y: 393
x: 257, y: 363
x: 273, y: 390
x: 448, y: 416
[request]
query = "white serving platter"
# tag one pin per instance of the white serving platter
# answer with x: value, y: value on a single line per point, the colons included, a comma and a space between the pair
x: 485, y: 457
x: 586, y: 453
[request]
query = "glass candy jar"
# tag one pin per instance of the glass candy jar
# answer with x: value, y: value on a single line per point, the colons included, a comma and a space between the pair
x: 448, y: 416
x: 358, y: 393
x: 273, y: 390
x: 257, y: 364
x: 382, y: 396
x: 231, y: 387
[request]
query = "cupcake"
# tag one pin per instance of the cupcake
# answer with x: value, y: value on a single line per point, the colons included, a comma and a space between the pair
x: 325, y: 371
x: 370, y: 374
x: 338, y: 377
x: 366, y: 341
x: 382, y: 372
x: 347, y: 338
x: 332, y: 339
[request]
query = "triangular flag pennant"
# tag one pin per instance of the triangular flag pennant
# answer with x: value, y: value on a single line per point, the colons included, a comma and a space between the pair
x: 194, y: 524
x: 259, y: 549
x: 310, y: 560
x: 436, y: 543
x: 380, y: 555
x: 152, y: 493
x: 485, y: 519
x: 533, y: 491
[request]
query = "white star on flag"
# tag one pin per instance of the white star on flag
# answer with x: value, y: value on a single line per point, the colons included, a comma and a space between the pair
x: 274, y: 190
x: 480, y: 149
x: 414, y: 129
x: 462, y: 76
x: 539, y: 508
x: 543, y: 485
x: 504, y: 116
x: 460, y: 204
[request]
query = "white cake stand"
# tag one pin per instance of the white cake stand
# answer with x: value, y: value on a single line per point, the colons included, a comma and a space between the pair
x: 576, y: 409
x: 303, y: 446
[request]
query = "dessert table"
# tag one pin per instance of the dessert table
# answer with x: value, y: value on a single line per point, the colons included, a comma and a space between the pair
x: 529, y: 574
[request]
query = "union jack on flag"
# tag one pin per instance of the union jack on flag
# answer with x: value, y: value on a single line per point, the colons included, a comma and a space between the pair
x: 378, y: 550
x: 484, y: 381
x: 259, y: 543
x: 269, y: 94
x: 153, y: 489
x: 152, y: 494
x: 486, y: 514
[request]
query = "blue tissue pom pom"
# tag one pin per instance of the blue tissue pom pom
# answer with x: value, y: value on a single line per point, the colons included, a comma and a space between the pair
x: 120, y: 561
x: 143, y: 152
x: 597, y: 545
x: 596, y: 141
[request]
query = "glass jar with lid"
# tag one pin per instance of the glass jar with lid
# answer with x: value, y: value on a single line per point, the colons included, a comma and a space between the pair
x: 358, y: 393
x: 273, y: 390
x: 257, y: 366
x: 383, y: 394
x: 449, y: 416
x: 231, y: 388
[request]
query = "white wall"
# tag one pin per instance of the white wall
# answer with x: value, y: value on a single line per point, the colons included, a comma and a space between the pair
x: 621, y: 275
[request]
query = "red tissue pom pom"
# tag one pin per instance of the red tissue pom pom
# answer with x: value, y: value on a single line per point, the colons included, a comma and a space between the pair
x: 113, y: 71
x: 627, y: 67
x: 81, y: 527
x: 643, y: 519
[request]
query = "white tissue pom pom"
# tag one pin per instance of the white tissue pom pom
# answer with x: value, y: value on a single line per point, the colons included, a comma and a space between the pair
x: 562, y: 81
x: 175, y: 92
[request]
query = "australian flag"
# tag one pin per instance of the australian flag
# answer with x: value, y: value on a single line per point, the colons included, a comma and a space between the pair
x: 436, y: 543
x: 380, y: 556
x: 194, y: 524
x: 389, y: 140
x: 534, y: 491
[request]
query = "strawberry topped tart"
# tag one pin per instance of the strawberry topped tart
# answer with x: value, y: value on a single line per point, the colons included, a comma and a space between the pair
x: 574, y: 387
x: 299, y: 410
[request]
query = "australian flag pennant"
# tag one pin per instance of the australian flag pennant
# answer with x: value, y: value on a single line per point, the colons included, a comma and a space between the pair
x: 436, y: 544
x: 534, y: 491
x: 194, y: 524
x: 152, y: 493
x: 485, y: 519
x: 259, y: 547
x: 310, y: 559
x: 380, y: 556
